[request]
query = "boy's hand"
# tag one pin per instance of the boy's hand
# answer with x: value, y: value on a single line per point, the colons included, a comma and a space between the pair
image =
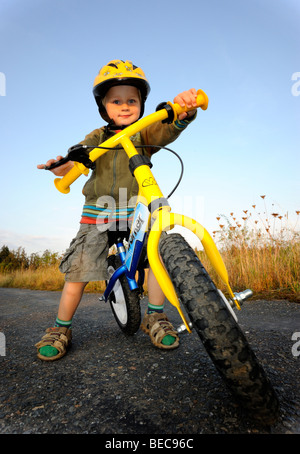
x: 187, y: 99
x: 58, y: 171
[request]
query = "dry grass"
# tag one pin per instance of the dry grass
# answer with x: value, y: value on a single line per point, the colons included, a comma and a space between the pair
x: 271, y: 272
x: 260, y: 251
x: 43, y: 278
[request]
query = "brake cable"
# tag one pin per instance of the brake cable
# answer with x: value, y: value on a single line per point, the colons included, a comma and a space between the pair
x: 84, y: 159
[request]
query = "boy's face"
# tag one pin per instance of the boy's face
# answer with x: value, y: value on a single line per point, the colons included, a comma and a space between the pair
x: 123, y: 104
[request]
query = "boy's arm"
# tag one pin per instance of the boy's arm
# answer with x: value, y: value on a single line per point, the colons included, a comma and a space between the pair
x: 91, y: 139
x: 163, y: 133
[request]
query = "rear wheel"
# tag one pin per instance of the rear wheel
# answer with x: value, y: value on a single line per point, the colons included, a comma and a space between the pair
x: 125, y: 303
x: 216, y: 326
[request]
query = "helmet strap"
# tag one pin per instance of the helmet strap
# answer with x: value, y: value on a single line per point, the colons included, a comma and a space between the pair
x: 111, y: 126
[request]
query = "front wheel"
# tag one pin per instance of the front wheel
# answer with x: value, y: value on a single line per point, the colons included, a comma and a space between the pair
x: 222, y: 337
x: 125, y: 303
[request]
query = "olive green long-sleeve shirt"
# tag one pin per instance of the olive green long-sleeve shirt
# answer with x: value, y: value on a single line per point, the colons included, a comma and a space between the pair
x: 112, y: 169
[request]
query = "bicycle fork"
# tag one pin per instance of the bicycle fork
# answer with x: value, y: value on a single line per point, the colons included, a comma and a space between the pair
x: 165, y: 220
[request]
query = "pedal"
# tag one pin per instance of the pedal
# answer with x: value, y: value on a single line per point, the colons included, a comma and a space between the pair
x: 243, y: 296
x: 182, y: 328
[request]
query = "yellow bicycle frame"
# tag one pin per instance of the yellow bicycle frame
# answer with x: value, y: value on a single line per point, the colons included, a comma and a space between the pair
x: 164, y: 220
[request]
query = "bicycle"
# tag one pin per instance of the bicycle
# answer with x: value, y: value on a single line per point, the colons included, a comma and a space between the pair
x: 185, y: 282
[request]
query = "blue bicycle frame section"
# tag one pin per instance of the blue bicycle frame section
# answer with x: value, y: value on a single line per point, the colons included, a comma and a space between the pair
x: 131, y: 257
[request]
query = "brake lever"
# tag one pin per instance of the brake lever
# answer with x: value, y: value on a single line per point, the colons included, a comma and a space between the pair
x: 76, y: 153
x: 57, y: 163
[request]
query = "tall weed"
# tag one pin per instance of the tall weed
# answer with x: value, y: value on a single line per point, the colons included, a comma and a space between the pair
x: 261, y: 251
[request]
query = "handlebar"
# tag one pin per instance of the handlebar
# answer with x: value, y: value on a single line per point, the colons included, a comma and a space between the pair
x: 202, y: 102
x: 168, y: 112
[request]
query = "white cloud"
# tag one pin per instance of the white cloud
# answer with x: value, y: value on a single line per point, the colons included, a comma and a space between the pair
x: 32, y: 243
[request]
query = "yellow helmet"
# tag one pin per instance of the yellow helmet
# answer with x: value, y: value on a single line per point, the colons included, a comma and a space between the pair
x: 118, y: 72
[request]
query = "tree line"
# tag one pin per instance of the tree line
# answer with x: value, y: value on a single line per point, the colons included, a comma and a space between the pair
x: 11, y: 260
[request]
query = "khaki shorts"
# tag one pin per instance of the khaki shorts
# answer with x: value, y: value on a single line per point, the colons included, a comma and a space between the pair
x: 85, y: 258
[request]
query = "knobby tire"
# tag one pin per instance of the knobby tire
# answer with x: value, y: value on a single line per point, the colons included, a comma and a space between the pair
x: 219, y: 332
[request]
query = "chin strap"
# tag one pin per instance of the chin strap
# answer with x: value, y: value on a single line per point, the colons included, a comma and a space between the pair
x: 111, y: 126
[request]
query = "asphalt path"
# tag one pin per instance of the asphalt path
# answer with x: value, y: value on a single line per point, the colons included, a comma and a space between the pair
x: 109, y: 383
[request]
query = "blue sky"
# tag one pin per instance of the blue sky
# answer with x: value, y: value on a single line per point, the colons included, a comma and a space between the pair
x: 243, y: 54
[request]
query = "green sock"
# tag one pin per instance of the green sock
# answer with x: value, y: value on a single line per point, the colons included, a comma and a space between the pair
x: 168, y: 339
x: 48, y: 350
x: 152, y: 308
x: 63, y: 323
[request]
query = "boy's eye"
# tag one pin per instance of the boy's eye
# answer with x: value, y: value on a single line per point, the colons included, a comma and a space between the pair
x: 118, y: 102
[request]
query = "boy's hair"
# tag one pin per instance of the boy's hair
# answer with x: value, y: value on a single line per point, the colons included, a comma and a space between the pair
x: 118, y: 72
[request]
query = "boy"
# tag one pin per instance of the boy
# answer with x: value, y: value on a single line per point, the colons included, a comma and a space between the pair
x: 120, y: 91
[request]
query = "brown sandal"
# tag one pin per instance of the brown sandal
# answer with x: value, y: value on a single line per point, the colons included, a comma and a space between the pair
x: 157, y: 325
x: 57, y: 337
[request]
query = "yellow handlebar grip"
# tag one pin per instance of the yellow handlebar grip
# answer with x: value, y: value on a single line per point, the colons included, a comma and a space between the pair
x: 202, y: 99
x: 63, y: 184
x: 202, y: 102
